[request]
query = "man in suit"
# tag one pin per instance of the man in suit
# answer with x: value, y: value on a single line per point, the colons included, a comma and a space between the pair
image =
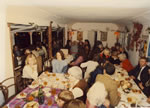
x: 140, y: 74
x: 110, y: 84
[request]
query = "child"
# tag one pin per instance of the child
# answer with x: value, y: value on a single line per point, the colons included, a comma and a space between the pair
x: 64, y: 97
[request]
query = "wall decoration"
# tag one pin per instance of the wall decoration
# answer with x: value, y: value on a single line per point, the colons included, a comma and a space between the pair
x: 103, y: 36
x: 148, y: 48
x: 117, y: 34
x: 79, y: 35
x: 136, y: 35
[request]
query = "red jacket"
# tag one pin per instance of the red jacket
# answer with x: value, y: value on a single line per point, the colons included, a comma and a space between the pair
x: 126, y: 65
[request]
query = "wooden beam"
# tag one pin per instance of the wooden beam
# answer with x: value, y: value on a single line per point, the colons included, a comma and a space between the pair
x: 50, y: 40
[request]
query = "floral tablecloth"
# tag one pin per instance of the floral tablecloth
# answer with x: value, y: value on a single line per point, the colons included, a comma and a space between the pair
x: 21, y: 102
x: 51, y: 82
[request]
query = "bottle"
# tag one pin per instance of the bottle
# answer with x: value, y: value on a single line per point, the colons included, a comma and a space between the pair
x: 40, y: 95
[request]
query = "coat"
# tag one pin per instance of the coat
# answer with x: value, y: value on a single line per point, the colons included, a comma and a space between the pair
x: 111, y: 88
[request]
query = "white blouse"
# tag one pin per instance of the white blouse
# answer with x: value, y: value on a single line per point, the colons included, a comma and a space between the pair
x: 30, y: 72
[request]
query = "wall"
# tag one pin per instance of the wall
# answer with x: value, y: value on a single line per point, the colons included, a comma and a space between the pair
x: 134, y: 55
x: 11, y: 15
x: 86, y: 27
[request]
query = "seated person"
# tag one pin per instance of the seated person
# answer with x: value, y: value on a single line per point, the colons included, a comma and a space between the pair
x: 104, y: 56
x: 125, y: 63
x: 76, y: 81
x: 80, y: 58
x: 110, y: 85
x: 75, y: 103
x: 30, y: 68
x: 64, y: 97
x: 59, y: 65
x: 96, y: 96
x: 114, y: 58
x: 92, y: 76
x: 90, y: 66
x: 140, y: 74
x: 122, y: 51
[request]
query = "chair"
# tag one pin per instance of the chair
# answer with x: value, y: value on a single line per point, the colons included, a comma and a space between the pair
x: 5, y: 89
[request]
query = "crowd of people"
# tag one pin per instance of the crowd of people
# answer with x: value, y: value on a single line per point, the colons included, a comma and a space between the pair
x: 99, y: 89
x: 99, y: 62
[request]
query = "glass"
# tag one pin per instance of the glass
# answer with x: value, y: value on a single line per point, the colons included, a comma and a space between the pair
x: 53, y: 92
x: 49, y: 101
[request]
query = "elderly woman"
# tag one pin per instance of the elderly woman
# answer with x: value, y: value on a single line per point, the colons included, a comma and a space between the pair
x: 30, y: 68
x: 59, y: 65
x: 77, y: 85
x: 125, y: 63
x: 96, y: 96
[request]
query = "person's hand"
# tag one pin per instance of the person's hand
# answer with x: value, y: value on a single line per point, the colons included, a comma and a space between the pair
x: 107, y: 103
x: 141, y: 86
x: 119, y: 94
x: 148, y: 100
x: 132, y: 77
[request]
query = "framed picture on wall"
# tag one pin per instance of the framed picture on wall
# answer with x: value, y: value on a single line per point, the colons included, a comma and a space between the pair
x: 79, y: 35
x: 103, y: 36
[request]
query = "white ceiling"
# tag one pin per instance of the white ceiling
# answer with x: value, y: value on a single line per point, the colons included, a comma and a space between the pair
x: 70, y: 11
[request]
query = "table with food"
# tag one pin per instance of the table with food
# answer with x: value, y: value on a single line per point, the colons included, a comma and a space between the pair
x: 43, y: 92
x: 131, y: 94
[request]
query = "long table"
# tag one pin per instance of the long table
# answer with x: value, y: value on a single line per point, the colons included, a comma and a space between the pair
x: 134, y: 96
x: 57, y: 82
x: 52, y: 84
x: 19, y: 102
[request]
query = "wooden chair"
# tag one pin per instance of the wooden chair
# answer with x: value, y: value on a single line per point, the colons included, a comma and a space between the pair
x: 5, y: 89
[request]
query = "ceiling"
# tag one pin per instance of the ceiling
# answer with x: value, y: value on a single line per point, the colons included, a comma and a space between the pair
x: 71, y: 11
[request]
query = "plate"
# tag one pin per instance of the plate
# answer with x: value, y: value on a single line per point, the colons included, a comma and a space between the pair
x: 46, y: 89
x: 21, y: 95
x: 132, y: 99
x: 35, y: 93
x: 31, y: 104
x: 47, y: 94
x: 33, y: 85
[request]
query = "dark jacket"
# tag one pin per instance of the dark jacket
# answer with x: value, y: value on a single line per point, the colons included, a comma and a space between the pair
x: 144, y: 74
x: 93, y: 75
x: 144, y: 77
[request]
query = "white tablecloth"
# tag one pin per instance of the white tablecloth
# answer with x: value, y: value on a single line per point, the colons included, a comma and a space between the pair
x: 55, y: 80
x: 140, y: 98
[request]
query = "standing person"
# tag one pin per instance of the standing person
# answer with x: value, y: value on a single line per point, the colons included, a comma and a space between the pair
x: 45, y: 51
x: 55, y: 48
x: 16, y: 51
x: 68, y: 46
x: 140, y: 74
x: 87, y: 47
x: 74, y: 49
x: 98, y: 48
x: 110, y: 85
